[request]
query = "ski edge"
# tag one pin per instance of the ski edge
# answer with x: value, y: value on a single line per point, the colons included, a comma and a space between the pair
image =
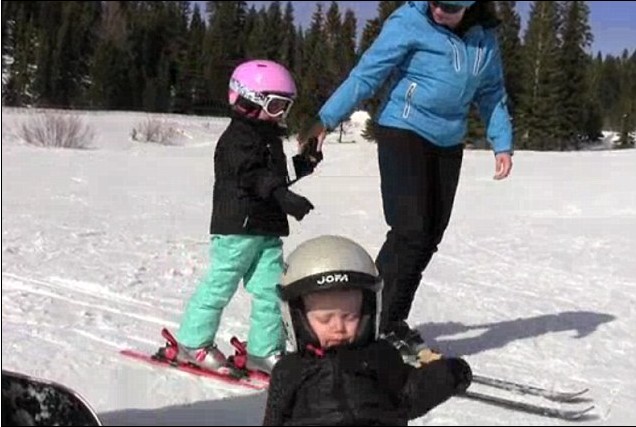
x: 548, y: 411
x: 526, y: 389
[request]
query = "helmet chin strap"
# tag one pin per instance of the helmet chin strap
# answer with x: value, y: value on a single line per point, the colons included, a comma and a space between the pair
x: 305, y: 334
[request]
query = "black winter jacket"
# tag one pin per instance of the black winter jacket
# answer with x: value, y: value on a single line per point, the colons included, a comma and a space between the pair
x: 369, y: 385
x: 249, y: 164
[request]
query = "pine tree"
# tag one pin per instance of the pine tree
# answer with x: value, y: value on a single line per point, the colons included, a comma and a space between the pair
x: 300, y: 113
x: 195, y: 65
x: 313, y: 59
x: 511, y: 51
x: 576, y: 38
x: 592, y: 122
x: 273, y: 31
x: 299, y: 49
x: 347, y: 49
x: 370, y: 33
x: 20, y: 46
x: 8, y: 30
x: 313, y: 91
x: 111, y: 64
x: 256, y: 42
x: 539, y: 105
x: 373, y: 26
x: 610, y: 92
x: 332, y: 35
x: 340, y: 49
x: 223, y: 50
x: 286, y: 53
x: 7, y: 14
x: 627, y: 102
x: 48, y: 63
x: 142, y: 49
x: 66, y: 37
x: 632, y: 98
x: 625, y: 138
x: 73, y: 42
x: 157, y: 40
x: 181, y: 79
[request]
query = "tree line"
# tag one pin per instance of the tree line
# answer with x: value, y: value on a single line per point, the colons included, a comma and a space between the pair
x: 172, y: 56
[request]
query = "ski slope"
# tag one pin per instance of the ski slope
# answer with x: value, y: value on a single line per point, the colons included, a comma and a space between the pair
x: 535, y: 280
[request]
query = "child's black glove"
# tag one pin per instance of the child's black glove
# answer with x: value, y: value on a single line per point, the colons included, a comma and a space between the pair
x: 306, y: 161
x: 462, y: 373
x: 292, y: 204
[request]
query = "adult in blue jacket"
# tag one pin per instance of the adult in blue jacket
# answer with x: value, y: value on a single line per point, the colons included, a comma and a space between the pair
x: 431, y: 61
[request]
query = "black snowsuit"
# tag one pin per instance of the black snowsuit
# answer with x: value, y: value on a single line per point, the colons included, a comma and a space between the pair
x: 367, y: 385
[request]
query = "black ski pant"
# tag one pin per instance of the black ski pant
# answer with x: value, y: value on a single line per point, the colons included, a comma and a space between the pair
x: 418, y: 183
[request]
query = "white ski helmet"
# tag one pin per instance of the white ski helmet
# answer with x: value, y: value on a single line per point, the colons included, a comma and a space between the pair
x: 327, y: 263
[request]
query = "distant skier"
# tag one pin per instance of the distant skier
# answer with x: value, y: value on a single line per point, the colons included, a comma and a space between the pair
x: 340, y: 372
x: 250, y: 205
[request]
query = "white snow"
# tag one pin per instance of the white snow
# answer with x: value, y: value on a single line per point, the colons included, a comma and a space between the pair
x: 535, y: 280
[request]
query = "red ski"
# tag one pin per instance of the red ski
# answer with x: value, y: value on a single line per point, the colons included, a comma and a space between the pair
x: 234, y: 374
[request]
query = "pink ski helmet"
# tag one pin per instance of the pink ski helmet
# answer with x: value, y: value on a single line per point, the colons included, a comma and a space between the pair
x: 265, y: 83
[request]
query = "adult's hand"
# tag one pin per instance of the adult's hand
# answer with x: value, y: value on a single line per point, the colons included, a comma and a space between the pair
x: 503, y: 165
x: 314, y: 129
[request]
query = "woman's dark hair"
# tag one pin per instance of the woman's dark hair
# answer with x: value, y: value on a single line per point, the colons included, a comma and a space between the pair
x: 481, y: 13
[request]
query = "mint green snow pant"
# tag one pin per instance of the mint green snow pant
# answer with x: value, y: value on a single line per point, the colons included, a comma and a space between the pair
x: 258, y: 260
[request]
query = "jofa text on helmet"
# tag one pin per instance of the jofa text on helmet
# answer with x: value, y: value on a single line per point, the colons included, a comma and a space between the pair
x: 333, y: 278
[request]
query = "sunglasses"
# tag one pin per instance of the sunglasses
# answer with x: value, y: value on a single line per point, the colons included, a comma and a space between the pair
x: 450, y: 9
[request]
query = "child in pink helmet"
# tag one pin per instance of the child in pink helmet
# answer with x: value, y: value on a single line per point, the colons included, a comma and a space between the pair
x: 251, y: 201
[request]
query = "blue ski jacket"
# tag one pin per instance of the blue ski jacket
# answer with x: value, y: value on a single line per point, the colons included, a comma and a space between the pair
x: 429, y: 77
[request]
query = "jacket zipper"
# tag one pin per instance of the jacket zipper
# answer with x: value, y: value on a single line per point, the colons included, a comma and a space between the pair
x: 409, y: 96
x: 346, y: 406
x: 457, y: 62
x: 478, y: 59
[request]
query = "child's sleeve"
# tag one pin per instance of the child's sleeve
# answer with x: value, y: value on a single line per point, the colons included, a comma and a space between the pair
x: 432, y: 384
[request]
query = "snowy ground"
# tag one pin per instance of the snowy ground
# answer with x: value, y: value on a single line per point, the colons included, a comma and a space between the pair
x: 535, y: 279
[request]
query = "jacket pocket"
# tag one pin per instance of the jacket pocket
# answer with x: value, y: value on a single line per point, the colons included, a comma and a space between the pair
x: 408, y: 99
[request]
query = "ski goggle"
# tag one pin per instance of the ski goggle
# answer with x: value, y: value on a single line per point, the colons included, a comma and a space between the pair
x: 273, y: 105
x: 450, y: 9
x: 277, y: 105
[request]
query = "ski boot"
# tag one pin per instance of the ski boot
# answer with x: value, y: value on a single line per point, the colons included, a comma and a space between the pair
x: 263, y: 366
x: 208, y: 357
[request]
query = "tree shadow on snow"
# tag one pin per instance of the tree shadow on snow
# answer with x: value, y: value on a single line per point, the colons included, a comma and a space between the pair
x: 499, y: 334
x: 234, y: 411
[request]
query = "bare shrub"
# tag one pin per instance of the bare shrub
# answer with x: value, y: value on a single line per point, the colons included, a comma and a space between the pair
x: 56, y: 130
x: 155, y: 130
